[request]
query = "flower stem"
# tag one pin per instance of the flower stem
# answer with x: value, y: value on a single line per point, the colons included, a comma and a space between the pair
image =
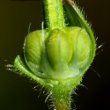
x: 62, y: 100
x: 61, y: 95
x: 54, y: 16
x: 60, y: 106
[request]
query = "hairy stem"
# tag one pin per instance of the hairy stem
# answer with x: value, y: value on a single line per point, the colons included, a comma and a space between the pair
x: 60, y: 106
x: 62, y: 96
x: 54, y: 16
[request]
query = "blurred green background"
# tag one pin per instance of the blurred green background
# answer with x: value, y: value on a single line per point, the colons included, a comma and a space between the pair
x: 19, y: 93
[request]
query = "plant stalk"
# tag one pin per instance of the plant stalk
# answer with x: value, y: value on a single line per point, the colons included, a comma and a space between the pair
x: 53, y: 13
x: 60, y: 106
x: 62, y: 97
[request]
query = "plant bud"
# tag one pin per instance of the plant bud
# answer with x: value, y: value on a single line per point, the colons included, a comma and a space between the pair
x: 59, y: 54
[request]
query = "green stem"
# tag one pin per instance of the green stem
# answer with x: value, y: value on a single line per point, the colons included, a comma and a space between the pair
x: 54, y: 16
x: 60, y: 106
x: 61, y: 94
x: 62, y: 100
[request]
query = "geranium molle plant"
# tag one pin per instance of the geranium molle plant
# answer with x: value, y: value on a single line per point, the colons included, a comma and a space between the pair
x: 58, y: 55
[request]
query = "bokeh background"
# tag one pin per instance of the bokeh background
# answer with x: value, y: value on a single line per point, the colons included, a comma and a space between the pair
x: 19, y: 93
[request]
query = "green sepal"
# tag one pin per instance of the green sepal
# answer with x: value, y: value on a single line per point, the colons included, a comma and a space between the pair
x: 19, y: 63
x: 76, y: 18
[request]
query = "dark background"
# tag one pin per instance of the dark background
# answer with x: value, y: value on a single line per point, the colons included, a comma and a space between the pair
x: 19, y: 93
